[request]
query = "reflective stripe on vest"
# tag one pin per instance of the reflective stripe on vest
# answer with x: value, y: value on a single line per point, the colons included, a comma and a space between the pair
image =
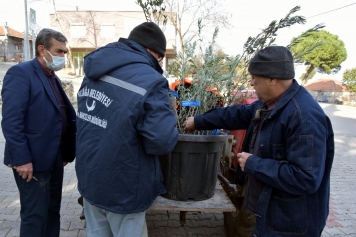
x: 124, y: 84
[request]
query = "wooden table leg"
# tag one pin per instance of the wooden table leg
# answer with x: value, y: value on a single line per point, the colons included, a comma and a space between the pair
x: 182, y: 218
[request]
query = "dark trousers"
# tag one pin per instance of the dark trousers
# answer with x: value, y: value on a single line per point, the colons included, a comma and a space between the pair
x: 41, y: 201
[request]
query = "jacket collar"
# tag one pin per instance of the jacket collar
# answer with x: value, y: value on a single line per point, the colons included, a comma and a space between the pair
x: 142, y: 50
x: 43, y: 78
x: 288, y: 95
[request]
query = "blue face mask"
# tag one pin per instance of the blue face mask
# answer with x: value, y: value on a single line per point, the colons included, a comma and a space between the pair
x: 57, y: 62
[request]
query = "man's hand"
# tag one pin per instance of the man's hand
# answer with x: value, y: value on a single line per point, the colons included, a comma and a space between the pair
x: 189, y: 125
x: 242, y: 158
x: 25, y: 171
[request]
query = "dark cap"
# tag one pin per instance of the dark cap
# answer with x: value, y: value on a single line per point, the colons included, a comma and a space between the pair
x: 149, y: 35
x: 273, y: 62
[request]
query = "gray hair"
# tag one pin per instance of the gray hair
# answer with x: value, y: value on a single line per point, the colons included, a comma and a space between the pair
x: 45, y: 36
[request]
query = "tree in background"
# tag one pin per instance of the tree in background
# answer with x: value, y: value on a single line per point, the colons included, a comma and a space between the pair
x: 311, y: 75
x: 184, y: 16
x: 154, y: 11
x: 69, y: 54
x: 60, y: 27
x: 349, y: 79
x: 92, y: 27
x: 209, y: 12
x: 326, y: 57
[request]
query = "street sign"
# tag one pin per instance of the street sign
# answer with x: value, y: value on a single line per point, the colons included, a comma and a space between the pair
x: 32, y: 16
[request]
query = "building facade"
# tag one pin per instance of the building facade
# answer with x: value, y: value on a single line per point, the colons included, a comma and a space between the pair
x: 329, y: 91
x: 89, y: 30
x: 12, y: 45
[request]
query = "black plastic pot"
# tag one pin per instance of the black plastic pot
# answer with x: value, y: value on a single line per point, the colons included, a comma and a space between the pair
x: 190, y: 170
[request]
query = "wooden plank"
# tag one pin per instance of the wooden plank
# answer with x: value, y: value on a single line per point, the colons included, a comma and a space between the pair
x: 219, y: 202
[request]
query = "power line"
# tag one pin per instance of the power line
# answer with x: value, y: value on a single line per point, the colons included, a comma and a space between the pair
x: 247, y: 28
x: 14, y: 18
x: 332, y: 10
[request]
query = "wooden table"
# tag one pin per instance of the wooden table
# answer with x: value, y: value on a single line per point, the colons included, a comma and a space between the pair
x: 219, y: 202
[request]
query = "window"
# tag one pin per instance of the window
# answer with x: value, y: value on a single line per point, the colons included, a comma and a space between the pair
x: 108, y: 30
x: 78, y: 30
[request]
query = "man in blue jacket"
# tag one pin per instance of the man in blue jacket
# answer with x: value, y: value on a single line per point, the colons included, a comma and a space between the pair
x: 39, y: 128
x: 124, y: 123
x: 290, y: 153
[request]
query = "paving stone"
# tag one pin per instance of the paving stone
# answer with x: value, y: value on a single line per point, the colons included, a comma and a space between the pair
x: 155, y: 217
x: 76, y: 226
x: 149, y: 212
x: 348, y: 223
x: 204, y: 223
x: 333, y: 223
x: 10, y: 224
x: 65, y: 225
x: 73, y: 205
x: 67, y: 212
x: 206, y: 216
x: 219, y: 216
x: 348, y: 230
x: 175, y: 216
x: 160, y: 231
x: 16, y: 211
x: 325, y: 234
x: 14, y: 204
x: 162, y: 223
x: 69, y: 233
x: 333, y: 231
x: 191, y: 216
x: 13, y: 233
x: 4, y: 232
x: 82, y: 233
x: 4, y: 204
x: 171, y: 231
x: 216, y: 223
x: 77, y: 212
x: 7, y: 210
x: 70, y: 218
x: 149, y: 224
x: 188, y: 223
x: 11, y: 217
x: 212, y: 236
x: 194, y: 231
x: 215, y: 231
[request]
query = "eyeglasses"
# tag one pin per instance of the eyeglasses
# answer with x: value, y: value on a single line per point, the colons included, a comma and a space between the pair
x: 156, y: 55
x: 159, y: 59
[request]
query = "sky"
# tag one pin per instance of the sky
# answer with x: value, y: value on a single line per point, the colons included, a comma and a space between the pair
x: 248, y: 17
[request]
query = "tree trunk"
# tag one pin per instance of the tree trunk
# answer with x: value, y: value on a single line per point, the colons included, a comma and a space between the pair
x: 305, y: 79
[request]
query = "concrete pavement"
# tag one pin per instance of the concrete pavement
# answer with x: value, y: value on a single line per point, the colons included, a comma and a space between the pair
x: 341, y: 221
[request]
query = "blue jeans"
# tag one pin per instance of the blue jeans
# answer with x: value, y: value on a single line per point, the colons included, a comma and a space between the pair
x: 41, y: 201
x: 105, y: 223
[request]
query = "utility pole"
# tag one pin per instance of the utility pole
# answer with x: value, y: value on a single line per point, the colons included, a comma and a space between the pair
x: 33, y: 44
x: 33, y: 27
x: 6, y: 41
x: 26, y: 44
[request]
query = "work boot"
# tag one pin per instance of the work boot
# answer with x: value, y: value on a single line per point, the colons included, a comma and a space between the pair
x: 82, y: 216
x: 80, y: 201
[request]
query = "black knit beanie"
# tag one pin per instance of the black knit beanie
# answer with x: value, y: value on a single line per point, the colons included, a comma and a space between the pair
x: 149, y: 35
x: 273, y: 62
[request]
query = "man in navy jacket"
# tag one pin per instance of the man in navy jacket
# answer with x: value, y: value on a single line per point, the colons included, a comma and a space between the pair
x: 291, y: 150
x: 124, y: 123
x: 39, y: 128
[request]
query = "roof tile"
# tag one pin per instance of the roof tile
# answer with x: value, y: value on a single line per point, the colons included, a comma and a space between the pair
x: 326, y: 85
